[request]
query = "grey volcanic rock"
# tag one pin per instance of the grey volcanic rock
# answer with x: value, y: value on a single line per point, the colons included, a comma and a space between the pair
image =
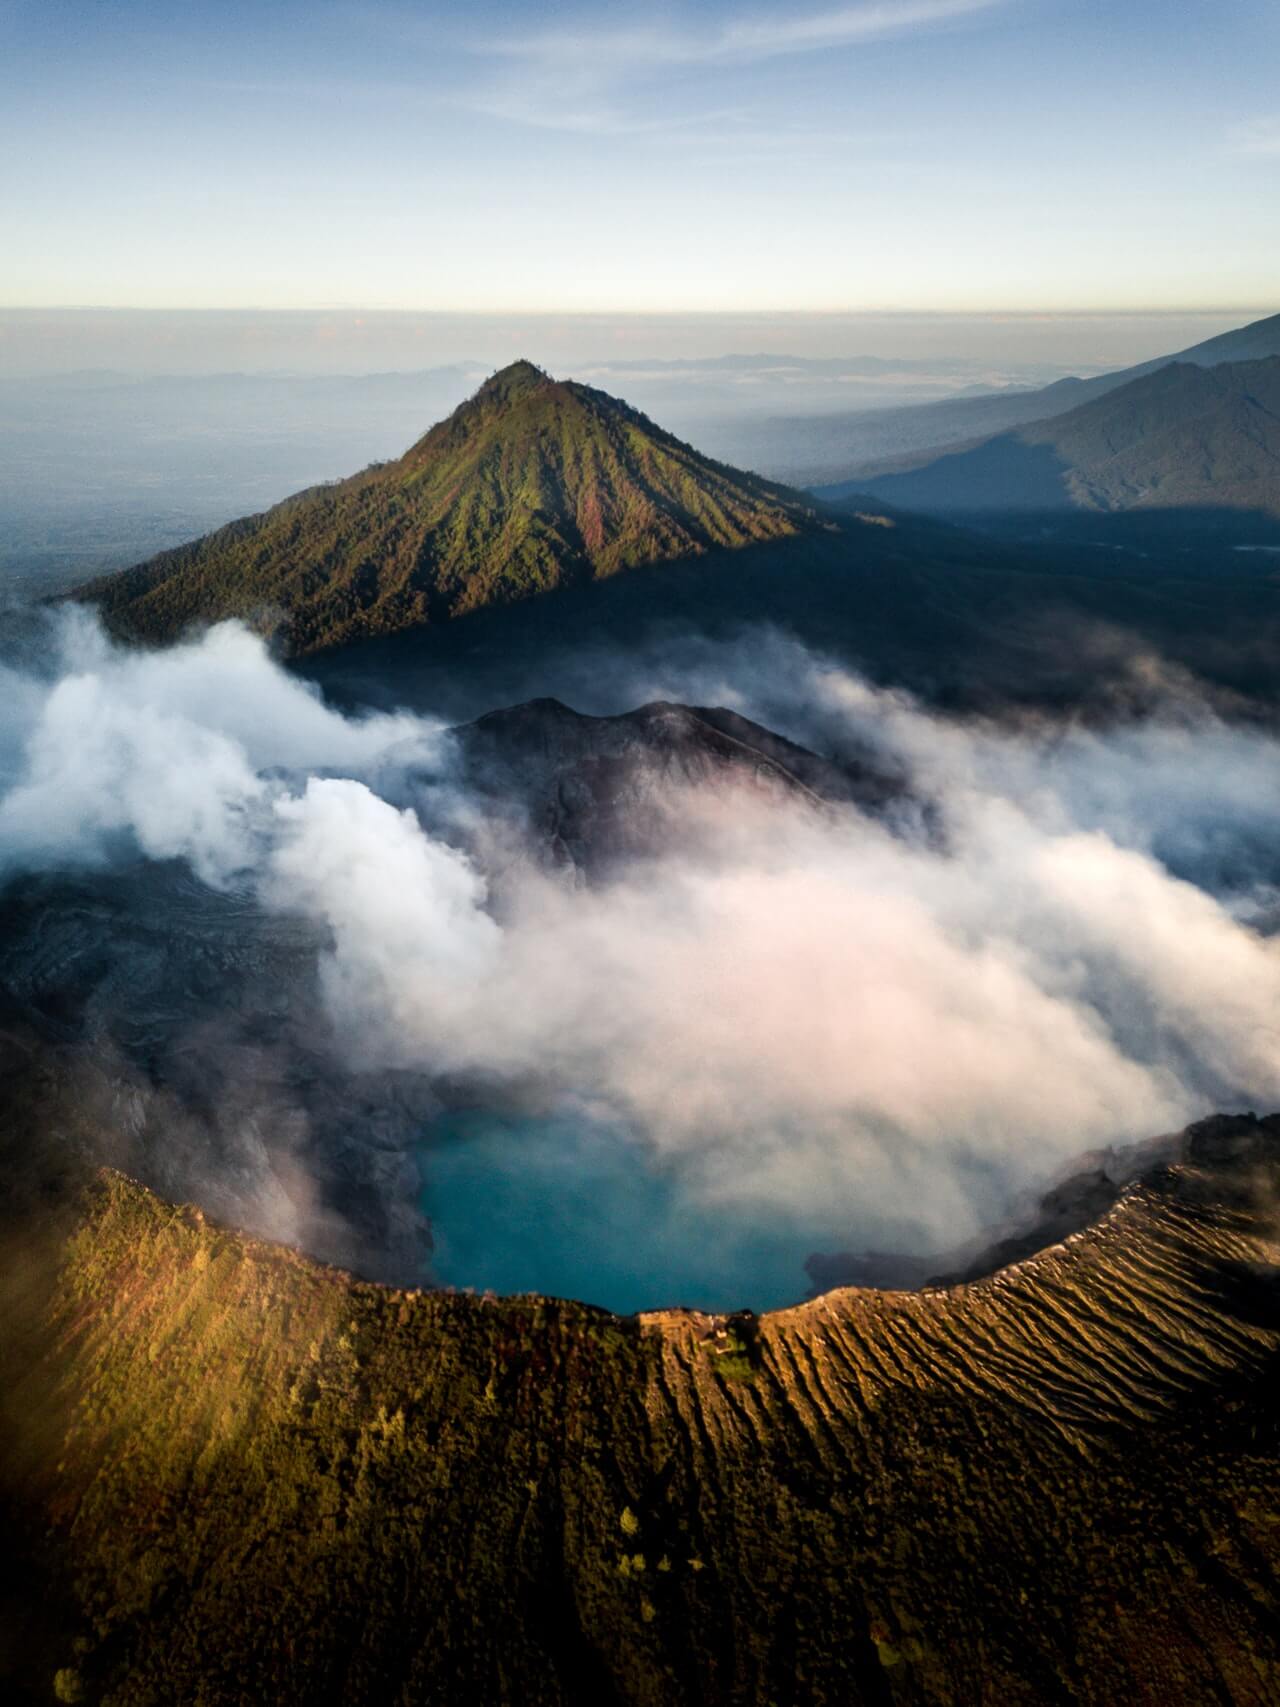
x: 593, y: 790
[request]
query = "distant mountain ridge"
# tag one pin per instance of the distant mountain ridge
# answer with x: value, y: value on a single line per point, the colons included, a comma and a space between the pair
x: 531, y: 485
x: 1180, y: 436
x: 883, y: 441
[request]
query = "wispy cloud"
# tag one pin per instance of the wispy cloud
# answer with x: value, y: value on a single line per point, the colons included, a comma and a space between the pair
x: 737, y: 40
x: 1256, y: 136
x: 587, y: 78
x: 593, y: 106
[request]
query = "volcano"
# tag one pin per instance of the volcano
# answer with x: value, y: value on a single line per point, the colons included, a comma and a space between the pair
x: 533, y: 484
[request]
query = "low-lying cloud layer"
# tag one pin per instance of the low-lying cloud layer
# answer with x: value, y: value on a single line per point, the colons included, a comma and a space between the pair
x: 803, y: 1017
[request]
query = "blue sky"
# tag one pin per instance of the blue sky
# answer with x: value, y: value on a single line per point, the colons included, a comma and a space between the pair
x: 901, y: 154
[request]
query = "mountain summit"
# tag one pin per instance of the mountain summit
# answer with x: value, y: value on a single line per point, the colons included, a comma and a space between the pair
x: 532, y: 484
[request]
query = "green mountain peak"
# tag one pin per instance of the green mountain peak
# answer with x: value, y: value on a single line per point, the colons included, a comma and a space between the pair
x: 530, y: 485
x: 515, y: 380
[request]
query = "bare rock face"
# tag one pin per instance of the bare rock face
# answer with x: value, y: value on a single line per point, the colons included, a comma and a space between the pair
x: 1231, y: 1141
x: 596, y: 790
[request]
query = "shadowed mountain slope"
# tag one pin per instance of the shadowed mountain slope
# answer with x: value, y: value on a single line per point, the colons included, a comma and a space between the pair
x: 252, y: 1477
x: 531, y: 485
x: 1182, y: 437
x: 874, y: 442
x: 959, y: 618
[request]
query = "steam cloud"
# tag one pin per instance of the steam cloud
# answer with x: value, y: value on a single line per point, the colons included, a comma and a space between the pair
x: 793, y: 1012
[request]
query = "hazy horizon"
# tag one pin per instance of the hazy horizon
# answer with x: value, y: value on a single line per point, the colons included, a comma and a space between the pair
x: 357, y: 342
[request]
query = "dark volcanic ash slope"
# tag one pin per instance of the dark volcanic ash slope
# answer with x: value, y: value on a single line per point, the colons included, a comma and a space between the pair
x: 593, y: 790
x: 252, y: 1477
x: 534, y: 484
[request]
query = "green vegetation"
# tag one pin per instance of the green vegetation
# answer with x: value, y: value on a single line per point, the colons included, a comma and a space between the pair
x: 733, y: 1350
x: 230, y: 1474
x: 530, y: 486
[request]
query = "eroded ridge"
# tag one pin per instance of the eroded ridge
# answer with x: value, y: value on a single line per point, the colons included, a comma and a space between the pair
x: 1058, y: 1483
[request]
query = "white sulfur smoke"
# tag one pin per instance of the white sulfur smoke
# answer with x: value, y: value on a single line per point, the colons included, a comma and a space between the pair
x: 800, y: 1012
x: 175, y: 753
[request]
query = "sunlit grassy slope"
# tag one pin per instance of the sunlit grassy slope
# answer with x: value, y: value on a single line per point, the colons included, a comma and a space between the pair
x: 530, y: 486
x: 260, y: 1479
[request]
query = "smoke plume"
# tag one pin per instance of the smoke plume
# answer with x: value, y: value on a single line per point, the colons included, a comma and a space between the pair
x: 806, y: 1017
